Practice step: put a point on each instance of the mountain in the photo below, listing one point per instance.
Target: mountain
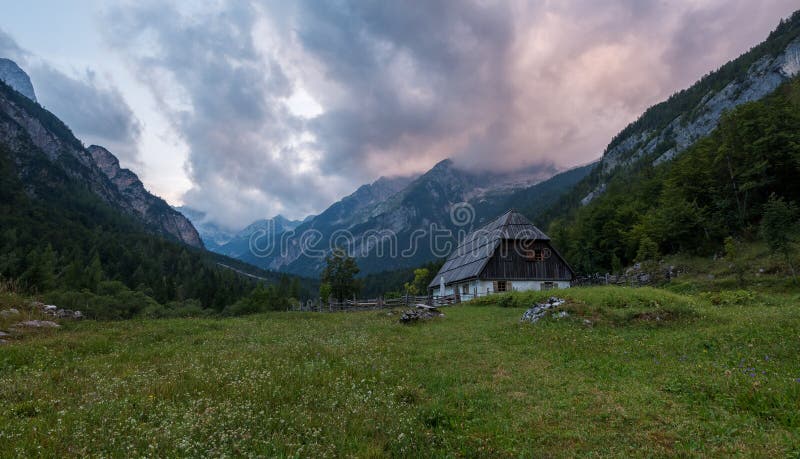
(402, 207)
(12, 75)
(95, 166)
(667, 129)
(695, 169)
(240, 245)
(212, 234)
(152, 210)
(81, 232)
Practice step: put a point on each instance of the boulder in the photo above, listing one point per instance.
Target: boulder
(537, 311)
(421, 312)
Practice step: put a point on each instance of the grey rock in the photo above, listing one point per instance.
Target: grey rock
(3, 334)
(2, 342)
(12, 75)
(420, 314)
(537, 311)
(9, 312)
(762, 78)
(151, 209)
(95, 167)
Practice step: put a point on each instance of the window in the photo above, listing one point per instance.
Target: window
(501, 286)
(465, 289)
(549, 285)
(536, 254)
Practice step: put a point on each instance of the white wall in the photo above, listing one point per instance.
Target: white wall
(483, 286)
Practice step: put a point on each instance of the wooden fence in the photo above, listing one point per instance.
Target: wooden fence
(371, 304)
(631, 279)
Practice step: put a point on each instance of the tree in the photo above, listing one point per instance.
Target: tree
(93, 274)
(616, 264)
(733, 254)
(422, 277)
(325, 291)
(648, 250)
(340, 274)
(778, 229)
(40, 274)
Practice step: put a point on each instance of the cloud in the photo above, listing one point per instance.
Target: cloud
(229, 103)
(9, 49)
(98, 114)
(401, 85)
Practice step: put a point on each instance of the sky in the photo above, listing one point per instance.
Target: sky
(249, 109)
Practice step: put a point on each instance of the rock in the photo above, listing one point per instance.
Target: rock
(9, 312)
(3, 334)
(15, 77)
(415, 315)
(77, 315)
(38, 324)
(2, 342)
(540, 310)
(143, 204)
(587, 322)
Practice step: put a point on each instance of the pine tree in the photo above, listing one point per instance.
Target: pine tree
(340, 274)
(778, 228)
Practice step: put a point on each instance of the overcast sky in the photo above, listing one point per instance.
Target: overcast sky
(247, 109)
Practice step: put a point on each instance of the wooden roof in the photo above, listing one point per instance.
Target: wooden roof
(470, 257)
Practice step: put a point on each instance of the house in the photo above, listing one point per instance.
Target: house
(508, 254)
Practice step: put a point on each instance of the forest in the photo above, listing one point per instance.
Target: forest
(718, 188)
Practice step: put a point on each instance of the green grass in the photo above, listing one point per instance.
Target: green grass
(706, 379)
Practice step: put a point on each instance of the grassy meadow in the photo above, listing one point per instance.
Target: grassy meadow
(655, 373)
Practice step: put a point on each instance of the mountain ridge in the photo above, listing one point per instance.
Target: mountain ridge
(24, 117)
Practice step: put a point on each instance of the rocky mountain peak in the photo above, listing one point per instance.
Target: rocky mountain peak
(14, 76)
(151, 209)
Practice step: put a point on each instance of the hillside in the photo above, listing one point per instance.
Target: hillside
(717, 188)
(667, 129)
(85, 233)
(707, 380)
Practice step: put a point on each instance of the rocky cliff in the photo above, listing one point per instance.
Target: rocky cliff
(26, 129)
(12, 75)
(667, 129)
(153, 210)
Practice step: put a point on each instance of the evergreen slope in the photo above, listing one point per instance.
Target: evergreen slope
(667, 129)
(62, 234)
(715, 189)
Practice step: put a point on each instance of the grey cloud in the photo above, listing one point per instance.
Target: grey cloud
(230, 111)
(96, 113)
(494, 85)
(11, 50)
